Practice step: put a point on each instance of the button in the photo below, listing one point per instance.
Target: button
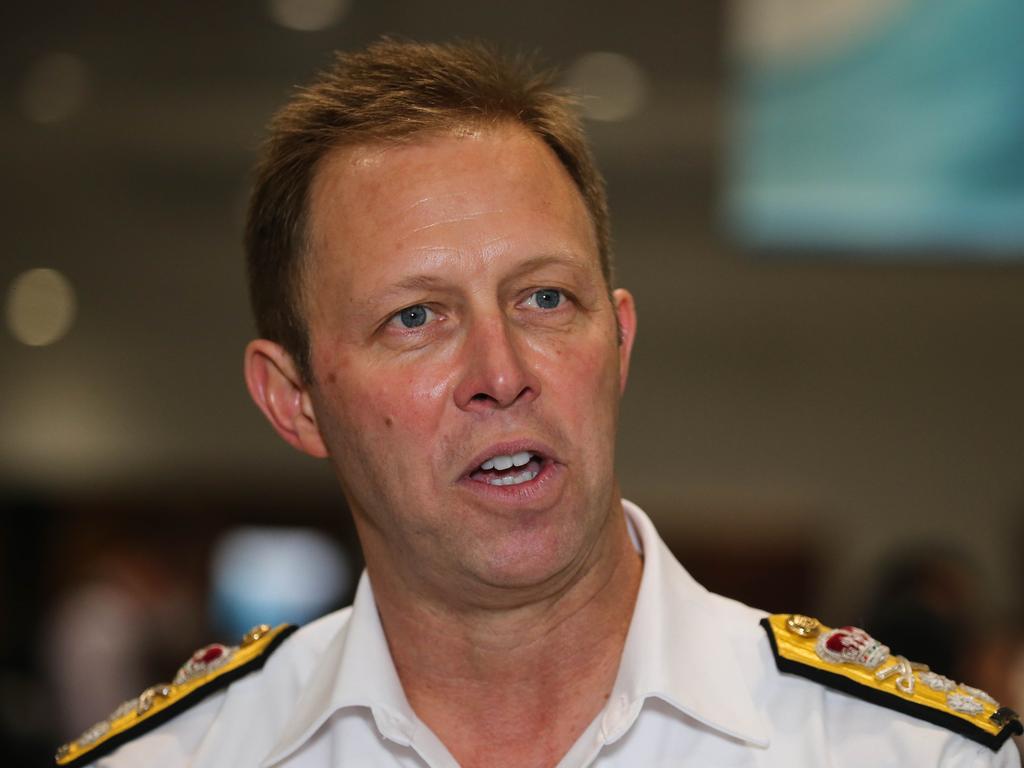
(804, 626)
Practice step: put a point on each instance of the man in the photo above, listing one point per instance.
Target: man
(430, 268)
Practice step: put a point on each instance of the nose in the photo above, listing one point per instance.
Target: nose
(496, 373)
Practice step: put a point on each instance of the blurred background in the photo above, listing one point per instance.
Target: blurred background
(818, 205)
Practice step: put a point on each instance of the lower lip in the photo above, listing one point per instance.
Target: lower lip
(535, 489)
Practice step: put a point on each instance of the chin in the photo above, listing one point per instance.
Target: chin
(531, 561)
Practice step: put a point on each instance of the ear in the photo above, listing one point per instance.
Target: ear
(625, 316)
(276, 387)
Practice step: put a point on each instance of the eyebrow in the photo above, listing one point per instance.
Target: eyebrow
(433, 282)
(557, 258)
(412, 283)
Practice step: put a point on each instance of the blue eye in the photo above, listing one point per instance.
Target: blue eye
(548, 298)
(414, 317)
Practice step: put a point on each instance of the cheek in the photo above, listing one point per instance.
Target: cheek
(429, 387)
(584, 373)
(388, 401)
(581, 391)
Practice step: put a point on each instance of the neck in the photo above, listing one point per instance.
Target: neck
(530, 674)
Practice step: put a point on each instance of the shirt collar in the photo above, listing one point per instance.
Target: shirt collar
(355, 670)
(676, 651)
(672, 652)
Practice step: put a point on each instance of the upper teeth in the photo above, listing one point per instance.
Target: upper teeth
(507, 462)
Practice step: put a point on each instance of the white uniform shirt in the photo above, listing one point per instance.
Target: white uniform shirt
(697, 686)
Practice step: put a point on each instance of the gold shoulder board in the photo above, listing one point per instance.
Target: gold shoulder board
(850, 660)
(208, 670)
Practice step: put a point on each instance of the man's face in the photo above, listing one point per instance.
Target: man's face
(458, 316)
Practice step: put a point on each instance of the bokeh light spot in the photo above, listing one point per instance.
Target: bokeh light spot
(55, 88)
(40, 307)
(611, 86)
(276, 575)
(308, 15)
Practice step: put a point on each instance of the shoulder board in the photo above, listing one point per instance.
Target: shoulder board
(850, 660)
(208, 670)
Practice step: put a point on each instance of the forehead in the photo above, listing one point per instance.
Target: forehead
(444, 194)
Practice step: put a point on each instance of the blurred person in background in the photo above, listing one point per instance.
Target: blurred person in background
(430, 267)
(927, 603)
(128, 617)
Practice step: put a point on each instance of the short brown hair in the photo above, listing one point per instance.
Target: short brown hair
(390, 92)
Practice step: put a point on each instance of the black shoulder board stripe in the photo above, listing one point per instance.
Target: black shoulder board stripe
(793, 640)
(163, 703)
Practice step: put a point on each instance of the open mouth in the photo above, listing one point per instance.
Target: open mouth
(509, 469)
